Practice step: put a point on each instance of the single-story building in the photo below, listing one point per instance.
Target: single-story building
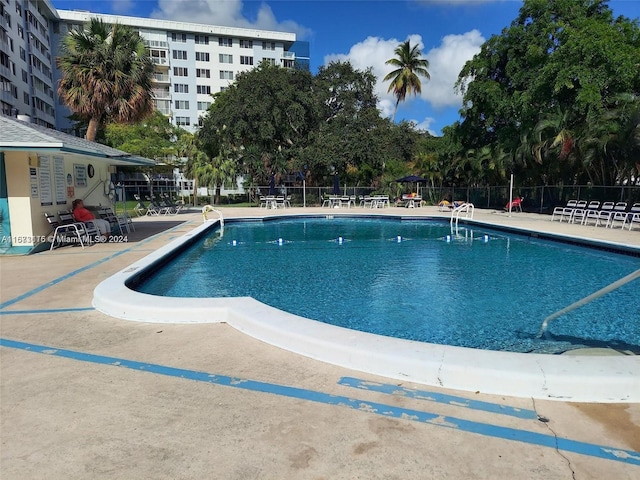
(43, 171)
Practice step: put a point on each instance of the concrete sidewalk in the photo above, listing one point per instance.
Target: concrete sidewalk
(84, 395)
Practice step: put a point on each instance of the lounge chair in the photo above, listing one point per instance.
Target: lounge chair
(633, 216)
(66, 231)
(606, 210)
(561, 212)
(140, 208)
(580, 214)
(618, 214)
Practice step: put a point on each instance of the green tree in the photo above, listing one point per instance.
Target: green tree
(262, 120)
(406, 77)
(537, 89)
(106, 75)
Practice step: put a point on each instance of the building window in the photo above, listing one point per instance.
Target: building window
(200, 124)
(202, 56)
(180, 54)
(183, 121)
(205, 89)
(25, 77)
(19, 9)
(245, 60)
(225, 42)
(181, 88)
(25, 97)
(224, 58)
(202, 39)
(180, 71)
(222, 89)
(181, 104)
(203, 105)
(246, 43)
(23, 54)
(268, 45)
(226, 75)
(179, 37)
(20, 32)
(203, 72)
(271, 61)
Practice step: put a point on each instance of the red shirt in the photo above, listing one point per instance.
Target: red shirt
(81, 214)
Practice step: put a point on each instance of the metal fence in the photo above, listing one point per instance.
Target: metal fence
(539, 199)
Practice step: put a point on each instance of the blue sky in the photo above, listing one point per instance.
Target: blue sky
(364, 32)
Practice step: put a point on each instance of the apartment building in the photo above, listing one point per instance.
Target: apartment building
(194, 61)
(27, 62)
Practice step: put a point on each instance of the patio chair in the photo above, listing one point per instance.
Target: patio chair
(618, 214)
(633, 216)
(66, 231)
(606, 210)
(515, 205)
(140, 208)
(561, 212)
(594, 215)
(173, 206)
(155, 207)
(580, 214)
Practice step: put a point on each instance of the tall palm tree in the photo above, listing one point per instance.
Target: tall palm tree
(106, 74)
(405, 78)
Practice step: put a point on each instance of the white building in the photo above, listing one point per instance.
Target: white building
(194, 61)
(27, 61)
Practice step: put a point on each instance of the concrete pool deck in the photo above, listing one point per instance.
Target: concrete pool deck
(206, 401)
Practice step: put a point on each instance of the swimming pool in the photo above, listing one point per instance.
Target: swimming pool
(415, 280)
(580, 378)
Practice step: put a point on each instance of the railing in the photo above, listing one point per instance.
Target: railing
(208, 208)
(464, 208)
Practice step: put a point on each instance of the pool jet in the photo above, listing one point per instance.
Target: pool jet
(585, 300)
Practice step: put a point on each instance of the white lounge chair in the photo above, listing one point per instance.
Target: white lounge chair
(561, 212)
(618, 214)
(633, 216)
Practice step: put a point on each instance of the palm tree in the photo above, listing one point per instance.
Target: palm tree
(405, 79)
(106, 74)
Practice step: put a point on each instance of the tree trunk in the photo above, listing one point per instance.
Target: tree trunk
(92, 129)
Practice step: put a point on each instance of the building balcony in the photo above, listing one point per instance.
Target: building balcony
(160, 93)
(160, 62)
(161, 78)
(6, 72)
(7, 97)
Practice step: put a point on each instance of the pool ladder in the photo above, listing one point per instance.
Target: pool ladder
(208, 208)
(464, 208)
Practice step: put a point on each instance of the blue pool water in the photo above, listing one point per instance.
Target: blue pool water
(490, 292)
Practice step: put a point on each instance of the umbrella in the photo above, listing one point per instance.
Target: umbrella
(336, 184)
(272, 185)
(411, 179)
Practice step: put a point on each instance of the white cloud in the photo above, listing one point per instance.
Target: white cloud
(426, 125)
(445, 62)
(223, 12)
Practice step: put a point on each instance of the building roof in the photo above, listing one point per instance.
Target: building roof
(19, 135)
(172, 25)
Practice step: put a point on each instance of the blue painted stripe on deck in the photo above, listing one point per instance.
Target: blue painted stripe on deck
(47, 310)
(489, 430)
(438, 398)
(80, 270)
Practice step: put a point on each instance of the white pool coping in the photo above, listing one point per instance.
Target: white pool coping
(576, 378)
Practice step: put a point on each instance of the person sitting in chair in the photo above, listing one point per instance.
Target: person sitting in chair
(81, 214)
